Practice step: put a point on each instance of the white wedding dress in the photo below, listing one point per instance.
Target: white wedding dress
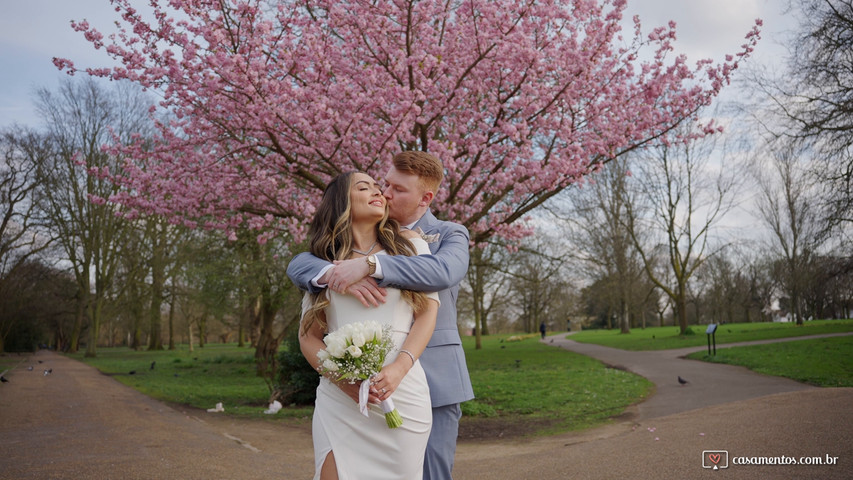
(364, 447)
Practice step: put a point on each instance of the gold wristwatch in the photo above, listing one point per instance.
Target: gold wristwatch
(371, 264)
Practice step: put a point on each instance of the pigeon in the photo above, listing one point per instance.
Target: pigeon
(3, 379)
(152, 364)
(48, 371)
(682, 381)
(132, 372)
(30, 368)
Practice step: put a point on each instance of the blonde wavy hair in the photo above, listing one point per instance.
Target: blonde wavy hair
(330, 234)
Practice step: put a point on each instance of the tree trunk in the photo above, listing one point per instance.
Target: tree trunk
(172, 322)
(681, 312)
(158, 274)
(202, 330)
(94, 329)
(190, 331)
(74, 345)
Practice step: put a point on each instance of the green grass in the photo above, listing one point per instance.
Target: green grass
(9, 361)
(521, 384)
(201, 379)
(663, 338)
(532, 387)
(551, 388)
(825, 362)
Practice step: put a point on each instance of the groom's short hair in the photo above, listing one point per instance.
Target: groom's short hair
(426, 166)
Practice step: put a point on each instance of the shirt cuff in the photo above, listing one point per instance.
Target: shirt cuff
(316, 280)
(378, 273)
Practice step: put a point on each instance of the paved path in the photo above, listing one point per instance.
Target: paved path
(79, 424)
(723, 407)
(76, 423)
(710, 383)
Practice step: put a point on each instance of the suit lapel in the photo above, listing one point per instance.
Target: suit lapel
(429, 224)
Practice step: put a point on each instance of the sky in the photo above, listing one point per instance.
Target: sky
(32, 32)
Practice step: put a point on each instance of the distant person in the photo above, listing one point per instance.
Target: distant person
(542, 329)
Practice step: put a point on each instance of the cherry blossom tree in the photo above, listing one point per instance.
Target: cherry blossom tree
(267, 100)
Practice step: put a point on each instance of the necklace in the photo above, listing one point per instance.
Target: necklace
(354, 250)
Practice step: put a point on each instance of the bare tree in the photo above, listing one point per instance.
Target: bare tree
(813, 101)
(82, 117)
(537, 285)
(483, 293)
(595, 216)
(786, 206)
(23, 232)
(687, 197)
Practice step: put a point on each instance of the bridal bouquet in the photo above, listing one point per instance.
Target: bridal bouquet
(355, 352)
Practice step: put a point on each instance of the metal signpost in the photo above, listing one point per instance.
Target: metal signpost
(711, 331)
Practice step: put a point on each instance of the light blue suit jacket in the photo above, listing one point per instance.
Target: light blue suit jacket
(443, 360)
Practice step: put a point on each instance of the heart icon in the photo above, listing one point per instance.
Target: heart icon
(714, 457)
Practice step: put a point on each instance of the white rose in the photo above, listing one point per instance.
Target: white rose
(354, 351)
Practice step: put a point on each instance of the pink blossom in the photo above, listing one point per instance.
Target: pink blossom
(519, 99)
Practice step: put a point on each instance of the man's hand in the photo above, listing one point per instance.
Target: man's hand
(368, 292)
(345, 273)
(350, 277)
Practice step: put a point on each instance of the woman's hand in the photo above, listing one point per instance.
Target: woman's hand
(351, 389)
(386, 381)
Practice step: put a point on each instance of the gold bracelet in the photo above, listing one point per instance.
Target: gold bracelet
(409, 354)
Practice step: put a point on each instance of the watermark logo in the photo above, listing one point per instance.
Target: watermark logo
(715, 459)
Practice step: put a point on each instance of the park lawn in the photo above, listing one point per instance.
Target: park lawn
(825, 362)
(664, 338)
(547, 387)
(531, 387)
(202, 378)
(9, 361)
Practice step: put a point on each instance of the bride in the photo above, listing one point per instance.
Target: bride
(352, 222)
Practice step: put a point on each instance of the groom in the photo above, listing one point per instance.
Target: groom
(411, 184)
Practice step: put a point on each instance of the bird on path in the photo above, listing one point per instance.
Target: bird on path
(48, 371)
(3, 379)
(682, 381)
(30, 368)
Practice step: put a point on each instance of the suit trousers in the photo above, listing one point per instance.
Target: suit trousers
(441, 447)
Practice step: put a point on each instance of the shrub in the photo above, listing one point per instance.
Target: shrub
(297, 380)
